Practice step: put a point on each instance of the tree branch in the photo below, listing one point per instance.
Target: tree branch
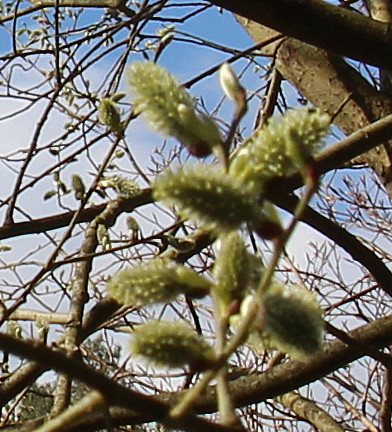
(333, 157)
(251, 389)
(348, 242)
(114, 393)
(37, 226)
(319, 23)
(307, 409)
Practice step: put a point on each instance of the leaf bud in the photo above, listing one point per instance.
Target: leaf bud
(116, 97)
(49, 194)
(103, 236)
(15, 329)
(134, 228)
(5, 247)
(78, 186)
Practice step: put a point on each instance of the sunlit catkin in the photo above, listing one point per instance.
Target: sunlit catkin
(169, 108)
(157, 281)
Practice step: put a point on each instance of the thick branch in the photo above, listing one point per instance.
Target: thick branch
(113, 392)
(37, 226)
(29, 372)
(251, 389)
(307, 409)
(334, 86)
(319, 23)
(348, 242)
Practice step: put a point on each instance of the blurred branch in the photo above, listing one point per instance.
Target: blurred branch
(308, 410)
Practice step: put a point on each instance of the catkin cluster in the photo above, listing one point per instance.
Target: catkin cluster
(224, 199)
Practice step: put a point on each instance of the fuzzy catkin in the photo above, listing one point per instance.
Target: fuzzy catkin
(173, 344)
(279, 148)
(292, 320)
(234, 268)
(169, 108)
(109, 114)
(207, 194)
(157, 281)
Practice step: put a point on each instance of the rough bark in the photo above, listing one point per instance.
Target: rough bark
(336, 29)
(331, 84)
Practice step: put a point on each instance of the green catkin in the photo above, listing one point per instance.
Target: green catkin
(157, 281)
(122, 185)
(207, 194)
(233, 269)
(109, 114)
(282, 146)
(172, 344)
(289, 319)
(292, 320)
(170, 109)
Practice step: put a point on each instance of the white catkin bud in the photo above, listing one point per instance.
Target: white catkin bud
(231, 85)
